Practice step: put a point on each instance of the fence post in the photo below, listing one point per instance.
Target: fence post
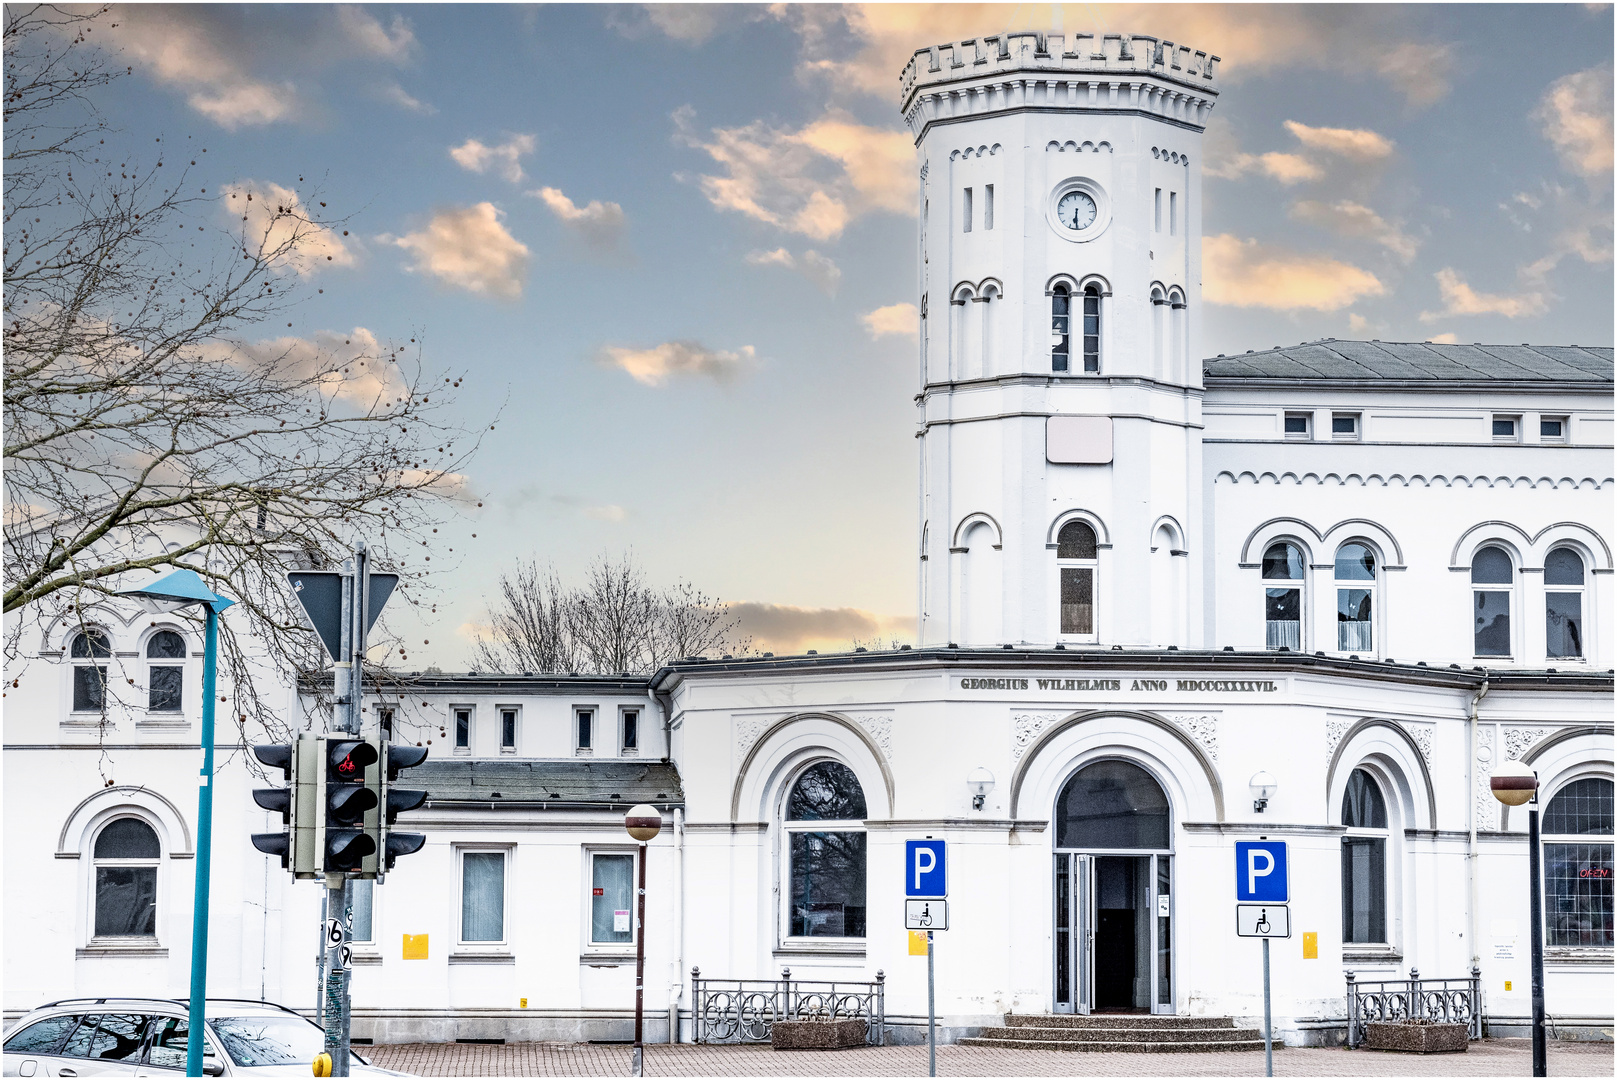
(787, 1012)
(697, 1004)
(1353, 1012)
(1414, 994)
(1476, 1002)
(881, 1008)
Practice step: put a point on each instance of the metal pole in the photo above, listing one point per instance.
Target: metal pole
(336, 972)
(199, 915)
(638, 1063)
(1536, 911)
(320, 963)
(931, 1014)
(1268, 1024)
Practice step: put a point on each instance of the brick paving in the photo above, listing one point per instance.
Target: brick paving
(1488, 1057)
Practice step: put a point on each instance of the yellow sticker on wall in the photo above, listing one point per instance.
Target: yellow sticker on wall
(415, 946)
(917, 942)
(1507, 986)
(1310, 945)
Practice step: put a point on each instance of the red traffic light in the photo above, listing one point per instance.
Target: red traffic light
(350, 758)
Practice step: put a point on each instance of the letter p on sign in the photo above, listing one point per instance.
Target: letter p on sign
(1261, 872)
(926, 867)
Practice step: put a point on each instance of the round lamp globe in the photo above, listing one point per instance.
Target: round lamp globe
(643, 822)
(1513, 783)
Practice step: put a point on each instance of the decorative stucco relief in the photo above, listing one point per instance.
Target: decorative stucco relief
(1518, 740)
(1487, 805)
(1026, 727)
(747, 732)
(880, 730)
(1334, 730)
(1202, 728)
(1422, 734)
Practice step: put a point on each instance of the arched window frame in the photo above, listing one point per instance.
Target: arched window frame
(165, 691)
(1069, 580)
(1275, 636)
(97, 881)
(1178, 349)
(1160, 362)
(1568, 860)
(790, 829)
(1358, 637)
(1376, 844)
(1566, 614)
(1489, 604)
(1061, 327)
(1090, 301)
(89, 678)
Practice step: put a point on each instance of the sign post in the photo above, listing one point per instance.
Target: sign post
(1262, 893)
(926, 907)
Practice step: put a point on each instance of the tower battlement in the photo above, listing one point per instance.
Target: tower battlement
(933, 70)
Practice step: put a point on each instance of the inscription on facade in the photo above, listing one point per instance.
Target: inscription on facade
(1194, 686)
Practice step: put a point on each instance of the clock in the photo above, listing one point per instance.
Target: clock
(1076, 210)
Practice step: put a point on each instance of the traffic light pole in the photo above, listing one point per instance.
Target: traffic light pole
(204, 860)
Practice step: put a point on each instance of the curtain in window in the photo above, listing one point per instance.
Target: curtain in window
(1077, 600)
(482, 904)
(612, 887)
(1353, 620)
(1282, 619)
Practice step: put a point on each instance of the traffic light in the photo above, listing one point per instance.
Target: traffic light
(390, 803)
(297, 803)
(347, 797)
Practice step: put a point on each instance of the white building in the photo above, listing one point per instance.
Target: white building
(1372, 570)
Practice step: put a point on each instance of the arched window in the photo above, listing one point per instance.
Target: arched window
(1113, 804)
(1577, 835)
(1355, 591)
(90, 678)
(1364, 861)
(126, 854)
(825, 829)
(1159, 332)
(1060, 328)
(1283, 597)
(989, 318)
(1491, 568)
(165, 680)
(1178, 351)
(1563, 608)
(1091, 328)
(1076, 561)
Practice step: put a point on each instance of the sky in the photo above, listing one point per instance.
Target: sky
(669, 248)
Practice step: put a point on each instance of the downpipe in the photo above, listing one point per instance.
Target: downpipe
(676, 986)
(1471, 817)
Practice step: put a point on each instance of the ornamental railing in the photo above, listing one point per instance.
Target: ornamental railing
(745, 1010)
(1454, 1001)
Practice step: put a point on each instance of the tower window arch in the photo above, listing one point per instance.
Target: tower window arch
(89, 677)
(165, 680)
(1159, 331)
(825, 852)
(1493, 579)
(1578, 863)
(1283, 596)
(1060, 327)
(126, 855)
(1364, 860)
(1563, 604)
(1091, 328)
(1076, 562)
(1355, 598)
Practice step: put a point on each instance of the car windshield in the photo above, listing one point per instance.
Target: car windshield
(269, 1040)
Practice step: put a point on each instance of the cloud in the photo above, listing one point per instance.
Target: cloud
(394, 42)
(1576, 113)
(691, 23)
(1459, 298)
(820, 269)
(1226, 161)
(354, 364)
(892, 319)
(468, 248)
(785, 629)
(396, 94)
(610, 512)
(812, 181)
(1347, 218)
(656, 365)
(1359, 144)
(1449, 338)
(279, 226)
(477, 157)
(1243, 273)
(601, 224)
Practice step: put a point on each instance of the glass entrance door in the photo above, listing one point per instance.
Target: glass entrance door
(1113, 933)
(1074, 932)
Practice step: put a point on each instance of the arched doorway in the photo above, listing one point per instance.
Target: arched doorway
(1113, 891)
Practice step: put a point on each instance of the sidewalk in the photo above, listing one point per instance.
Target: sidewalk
(1489, 1057)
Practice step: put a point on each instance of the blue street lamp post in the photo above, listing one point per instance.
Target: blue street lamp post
(180, 589)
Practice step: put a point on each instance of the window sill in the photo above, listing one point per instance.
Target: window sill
(482, 958)
(172, 722)
(606, 959)
(834, 947)
(629, 751)
(1579, 955)
(584, 751)
(138, 947)
(365, 959)
(1371, 954)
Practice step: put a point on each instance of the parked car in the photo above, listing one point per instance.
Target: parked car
(132, 1036)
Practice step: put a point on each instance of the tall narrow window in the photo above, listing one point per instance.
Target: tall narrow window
(631, 730)
(1076, 551)
(1091, 328)
(463, 729)
(825, 827)
(1355, 590)
(988, 207)
(1173, 213)
(1577, 865)
(1159, 330)
(1283, 597)
(482, 896)
(1060, 327)
(126, 855)
(611, 890)
(1157, 221)
(1364, 861)
(585, 719)
(164, 680)
(90, 678)
(1490, 604)
(965, 211)
(1563, 607)
(508, 730)
(384, 720)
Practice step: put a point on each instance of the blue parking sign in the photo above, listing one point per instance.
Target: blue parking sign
(1261, 873)
(926, 868)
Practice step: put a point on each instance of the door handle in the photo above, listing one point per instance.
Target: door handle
(66, 1072)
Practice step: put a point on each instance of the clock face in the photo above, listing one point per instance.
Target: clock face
(1076, 210)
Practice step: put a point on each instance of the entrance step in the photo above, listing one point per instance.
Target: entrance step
(1128, 1033)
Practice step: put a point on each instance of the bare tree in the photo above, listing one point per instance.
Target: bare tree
(614, 622)
(144, 429)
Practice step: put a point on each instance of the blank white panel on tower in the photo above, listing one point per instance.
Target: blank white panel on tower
(1078, 440)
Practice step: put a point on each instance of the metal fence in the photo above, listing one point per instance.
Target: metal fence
(744, 1010)
(1454, 1001)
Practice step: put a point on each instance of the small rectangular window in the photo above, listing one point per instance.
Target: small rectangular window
(1173, 213)
(463, 729)
(1504, 429)
(1283, 619)
(384, 720)
(508, 730)
(631, 729)
(586, 728)
(1577, 894)
(1552, 429)
(1364, 889)
(1344, 425)
(1157, 225)
(1077, 600)
(362, 895)
(1296, 425)
(1091, 330)
(1353, 621)
(988, 207)
(965, 211)
(611, 899)
(164, 693)
(1492, 631)
(482, 896)
(1563, 625)
(89, 688)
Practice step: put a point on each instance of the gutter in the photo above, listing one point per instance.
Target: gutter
(1471, 842)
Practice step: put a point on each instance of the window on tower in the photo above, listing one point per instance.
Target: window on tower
(988, 207)
(1076, 551)
(1173, 213)
(965, 211)
(1060, 327)
(1091, 328)
(1157, 227)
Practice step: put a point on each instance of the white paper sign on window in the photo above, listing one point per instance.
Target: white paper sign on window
(620, 922)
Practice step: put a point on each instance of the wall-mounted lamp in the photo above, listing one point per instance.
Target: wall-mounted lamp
(1263, 788)
(979, 782)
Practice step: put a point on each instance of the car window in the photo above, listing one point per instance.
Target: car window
(78, 1043)
(279, 1039)
(169, 1037)
(43, 1037)
(119, 1037)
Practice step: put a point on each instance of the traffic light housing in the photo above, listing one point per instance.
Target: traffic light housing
(297, 803)
(390, 803)
(344, 841)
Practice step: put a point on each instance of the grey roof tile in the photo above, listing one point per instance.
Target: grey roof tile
(555, 783)
(1334, 359)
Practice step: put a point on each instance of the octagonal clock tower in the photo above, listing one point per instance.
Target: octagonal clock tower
(1060, 296)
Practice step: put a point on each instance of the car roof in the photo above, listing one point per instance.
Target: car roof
(212, 1008)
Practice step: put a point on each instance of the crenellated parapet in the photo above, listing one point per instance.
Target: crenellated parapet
(1031, 69)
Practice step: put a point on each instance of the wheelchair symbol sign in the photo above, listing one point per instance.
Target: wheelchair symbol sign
(1263, 920)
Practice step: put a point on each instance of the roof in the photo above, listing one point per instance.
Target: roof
(558, 784)
(1417, 362)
